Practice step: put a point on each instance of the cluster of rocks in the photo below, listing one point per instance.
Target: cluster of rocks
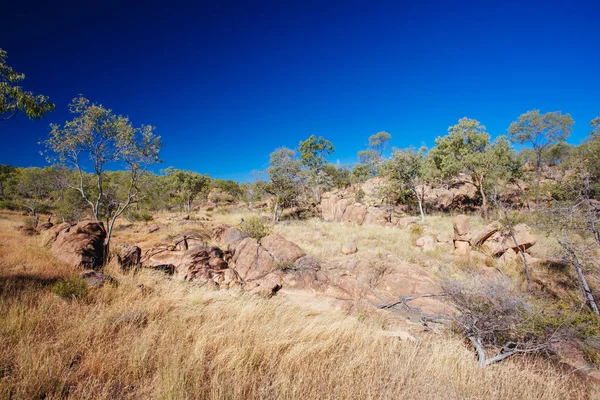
(364, 204)
(494, 240)
(256, 266)
(217, 196)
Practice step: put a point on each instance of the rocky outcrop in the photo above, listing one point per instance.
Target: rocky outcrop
(462, 235)
(81, 245)
(364, 204)
(95, 279)
(128, 256)
(486, 233)
(501, 241)
(217, 196)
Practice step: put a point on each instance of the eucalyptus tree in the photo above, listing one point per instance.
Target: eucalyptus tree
(313, 153)
(372, 157)
(285, 179)
(467, 148)
(187, 185)
(13, 99)
(408, 169)
(96, 138)
(34, 187)
(541, 131)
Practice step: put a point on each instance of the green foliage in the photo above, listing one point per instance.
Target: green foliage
(314, 150)
(340, 175)
(359, 195)
(254, 227)
(467, 148)
(415, 232)
(371, 158)
(187, 185)
(541, 131)
(135, 216)
(71, 288)
(103, 137)
(545, 319)
(285, 179)
(379, 142)
(13, 99)
(409, 172)
(360, 173)
(227, 186)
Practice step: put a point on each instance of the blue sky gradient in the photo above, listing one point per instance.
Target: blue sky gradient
(226, 83)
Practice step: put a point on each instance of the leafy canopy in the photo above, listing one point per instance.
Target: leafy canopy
(13, 99)
(314, 150)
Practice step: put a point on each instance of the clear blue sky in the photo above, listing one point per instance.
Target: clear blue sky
(226, 83)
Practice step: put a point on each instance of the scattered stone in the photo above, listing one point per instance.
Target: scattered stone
(426, 243)
(444, 238)
(349, 248)
(95, 279)
(404, 222)
(129, 256)
(153, 228)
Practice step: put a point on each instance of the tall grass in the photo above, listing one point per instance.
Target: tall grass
(150, 337)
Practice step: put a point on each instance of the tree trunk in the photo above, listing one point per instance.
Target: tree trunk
(420, 201)
(587, 292)
(275, 216)
(484, 207)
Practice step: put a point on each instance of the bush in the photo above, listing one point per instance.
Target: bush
(7, 204)
(359, 196)
(254, 227)
(70, 288)
(286, 266)
(416, 231)
(134, 216)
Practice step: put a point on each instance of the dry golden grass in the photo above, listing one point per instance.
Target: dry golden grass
(176, 340)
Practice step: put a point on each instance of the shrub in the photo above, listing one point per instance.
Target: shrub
(135, 216)
(70, 288)
(8, 204)
(254, 227)
(286, 266)
(359, 196)
(416, 231)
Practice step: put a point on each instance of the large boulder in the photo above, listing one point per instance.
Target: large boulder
(80, 245)
(355, 213)
(501, 241)
(128, 256)
(204, 264)
(252, 261)
(485, 233)
(349, 248)
(525, 239)
(462, 228)
(281, 249)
